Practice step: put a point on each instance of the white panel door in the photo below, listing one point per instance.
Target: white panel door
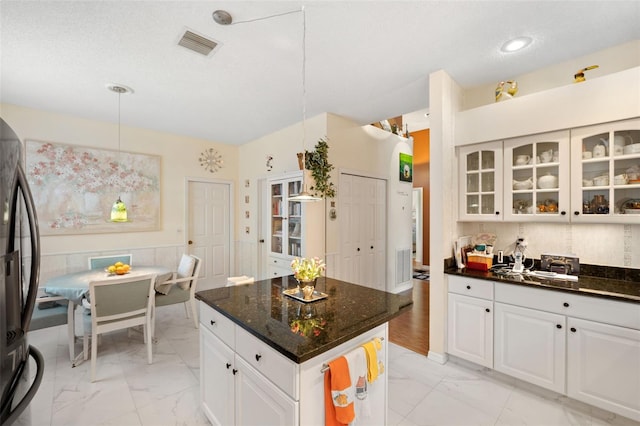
(363, 230)
(209, 231)
(603, 366)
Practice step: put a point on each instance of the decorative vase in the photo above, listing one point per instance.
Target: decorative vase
(307, 288)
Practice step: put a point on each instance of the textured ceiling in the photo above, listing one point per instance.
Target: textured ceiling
(365, 60)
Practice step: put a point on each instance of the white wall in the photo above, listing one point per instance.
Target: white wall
(354, 148)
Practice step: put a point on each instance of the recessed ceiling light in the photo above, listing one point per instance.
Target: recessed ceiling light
(516, 44)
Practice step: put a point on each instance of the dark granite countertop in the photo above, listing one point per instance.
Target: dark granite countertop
(587, 285)
(262, 310)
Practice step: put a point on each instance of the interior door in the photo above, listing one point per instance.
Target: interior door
(363, 230)
(209, 231)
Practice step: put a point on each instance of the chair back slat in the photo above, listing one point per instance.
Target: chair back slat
(113, 299)
(101, 262)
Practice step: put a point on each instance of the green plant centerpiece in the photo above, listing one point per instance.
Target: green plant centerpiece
(317, 161)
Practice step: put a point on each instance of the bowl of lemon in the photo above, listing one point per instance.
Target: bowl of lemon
(118, 268)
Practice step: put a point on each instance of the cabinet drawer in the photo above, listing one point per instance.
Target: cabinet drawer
(612, 312)
(218, 324)
(276, 367)
(471, 287)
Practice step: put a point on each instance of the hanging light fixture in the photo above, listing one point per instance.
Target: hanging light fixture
(119, 209)
(304, 195)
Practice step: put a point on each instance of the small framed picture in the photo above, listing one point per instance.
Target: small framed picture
(406, 167)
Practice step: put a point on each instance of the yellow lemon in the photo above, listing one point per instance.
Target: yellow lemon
(111, 269)
(118, 264)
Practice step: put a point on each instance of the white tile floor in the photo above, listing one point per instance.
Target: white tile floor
(128, 391)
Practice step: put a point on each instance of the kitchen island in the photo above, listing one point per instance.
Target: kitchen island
(263, 354)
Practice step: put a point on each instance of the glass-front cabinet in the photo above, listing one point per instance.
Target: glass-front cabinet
(536, 178)
(606, 173)
(295, 229)
(481, 182)
(286, 217)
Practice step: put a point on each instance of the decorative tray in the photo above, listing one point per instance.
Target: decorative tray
(297, 294)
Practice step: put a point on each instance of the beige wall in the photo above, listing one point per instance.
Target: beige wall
(614, 59)
(179, 160)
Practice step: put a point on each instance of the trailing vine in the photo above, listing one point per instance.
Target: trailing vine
(318, 162)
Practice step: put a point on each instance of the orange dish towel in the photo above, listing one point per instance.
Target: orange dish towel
(374, 366)
(338, 398)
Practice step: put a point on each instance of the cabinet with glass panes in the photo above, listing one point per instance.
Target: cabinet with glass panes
(480, 178)
(606, 173)
(296, 229)
(536, 178)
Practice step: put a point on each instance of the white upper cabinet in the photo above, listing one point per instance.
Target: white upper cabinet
(480, 168)
(536, 178)
(606, 173)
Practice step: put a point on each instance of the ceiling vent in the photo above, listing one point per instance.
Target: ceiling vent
(197, 43)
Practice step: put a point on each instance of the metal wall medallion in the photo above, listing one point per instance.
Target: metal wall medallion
(211, 160)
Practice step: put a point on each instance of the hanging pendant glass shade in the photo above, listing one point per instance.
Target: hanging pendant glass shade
(119, 211)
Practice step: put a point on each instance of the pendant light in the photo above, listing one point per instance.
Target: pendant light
(304, 196)
(119, 209)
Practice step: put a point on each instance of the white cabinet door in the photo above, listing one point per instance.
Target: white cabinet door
(216, 379)
(470, 326)
(536, 178)
(603, 366)
(599, 155)
(480, 168)
(259, 402)
(530, 345)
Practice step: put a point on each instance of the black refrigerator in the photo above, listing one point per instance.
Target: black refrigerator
(19, 269)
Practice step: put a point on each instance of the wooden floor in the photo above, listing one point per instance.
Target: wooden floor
(411, 329)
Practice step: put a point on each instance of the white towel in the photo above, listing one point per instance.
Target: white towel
(357, 361)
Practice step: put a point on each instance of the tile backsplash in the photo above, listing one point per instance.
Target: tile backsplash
(597, 244)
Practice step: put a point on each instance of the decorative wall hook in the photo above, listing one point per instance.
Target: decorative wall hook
(269, 165)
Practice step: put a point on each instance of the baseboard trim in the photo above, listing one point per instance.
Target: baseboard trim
(437, 357)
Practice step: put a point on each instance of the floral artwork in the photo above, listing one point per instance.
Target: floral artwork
(75, 187)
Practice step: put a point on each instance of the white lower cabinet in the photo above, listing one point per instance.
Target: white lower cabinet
(471, 329)
(603, 366)
(258, 401)
(585, 347)
(530, 345)
(216, 379)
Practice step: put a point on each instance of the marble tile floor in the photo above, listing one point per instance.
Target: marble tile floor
(128, 391)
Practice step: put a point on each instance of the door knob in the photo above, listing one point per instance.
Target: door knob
(190, 242)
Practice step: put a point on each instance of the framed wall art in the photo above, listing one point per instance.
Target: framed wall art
(406, 167)
(75, 187)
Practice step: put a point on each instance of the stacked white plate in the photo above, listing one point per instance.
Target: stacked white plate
(632, 149)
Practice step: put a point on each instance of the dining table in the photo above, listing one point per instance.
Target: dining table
(75, 287)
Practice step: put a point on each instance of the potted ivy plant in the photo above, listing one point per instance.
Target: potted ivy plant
(317, 161)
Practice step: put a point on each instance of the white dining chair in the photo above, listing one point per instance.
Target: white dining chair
(119, 303)
(101, 262)
(181, 288)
